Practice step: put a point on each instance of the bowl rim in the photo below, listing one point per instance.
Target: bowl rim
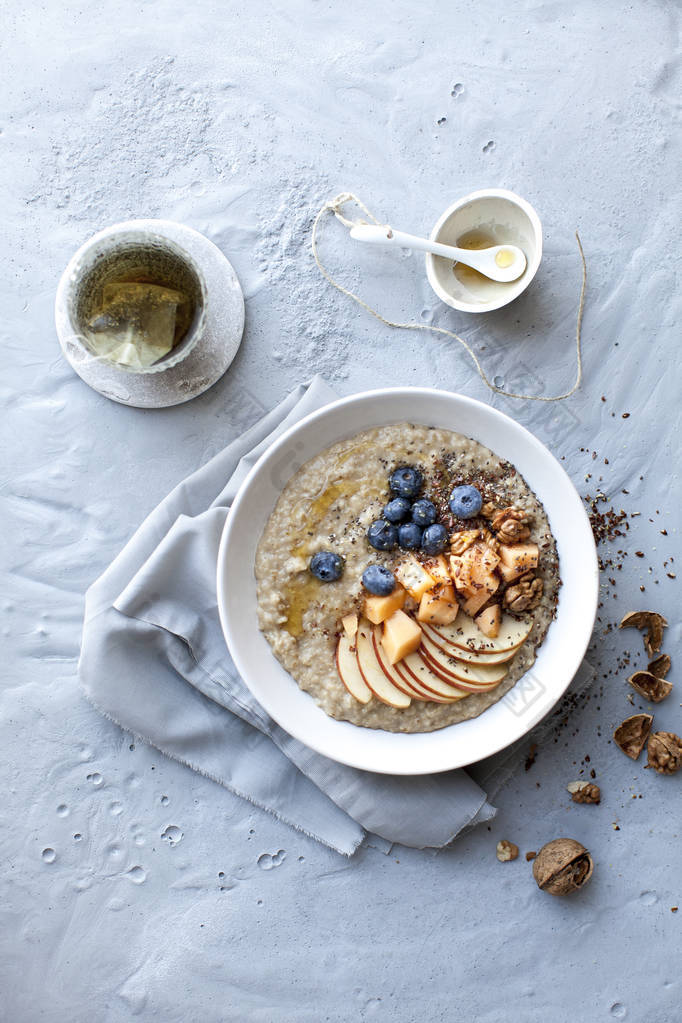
(445, 756)
(485, 193)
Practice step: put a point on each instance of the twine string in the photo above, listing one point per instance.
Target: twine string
(335, 206)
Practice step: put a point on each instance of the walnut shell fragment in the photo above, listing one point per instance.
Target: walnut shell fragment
(562, 866)
(650, 686)
(631, 734)
(584, 792)
(660, 666)
(654, 625)
(665, 752)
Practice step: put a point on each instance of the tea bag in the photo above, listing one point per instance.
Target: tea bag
(136, 325)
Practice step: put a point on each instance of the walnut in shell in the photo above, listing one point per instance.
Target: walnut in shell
(650, 686)
(664, 752)
(511, 525)
(584, 792)
(660, 666)
(654, 625)
(562, 866)
(525, 594)
(631, 734)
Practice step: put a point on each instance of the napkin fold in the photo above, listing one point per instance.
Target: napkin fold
(154, 660)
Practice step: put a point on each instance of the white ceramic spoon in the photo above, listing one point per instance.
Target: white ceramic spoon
(503, 263)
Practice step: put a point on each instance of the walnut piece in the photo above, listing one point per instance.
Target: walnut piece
(650, 686)
(562, 866)
(525, 594)
(463, 540)
(654, 625)
(506, 851)
(660, 666)
(584, 792)
(664, 752)
(488, 510)
(631, 734)
(511, 525)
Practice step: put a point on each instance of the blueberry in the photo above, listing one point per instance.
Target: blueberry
(435, 539)
(382, 535)
(397, 510)
(326, 566)
(406, 481)
(424, 512)
(378, 580)
(465, 502)
(410, 536)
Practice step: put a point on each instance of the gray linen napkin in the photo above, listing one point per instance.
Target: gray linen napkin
(154, 660)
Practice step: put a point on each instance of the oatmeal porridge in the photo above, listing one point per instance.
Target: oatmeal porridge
(406, 578)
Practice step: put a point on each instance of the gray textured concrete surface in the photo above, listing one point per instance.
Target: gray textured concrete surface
(130, 886)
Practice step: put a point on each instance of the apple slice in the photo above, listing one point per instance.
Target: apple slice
(466, 634)
(403, 681)
(474, 657)
(430, 694)
(349, 673)
(415, 667)
(372, 673)
(447, 666)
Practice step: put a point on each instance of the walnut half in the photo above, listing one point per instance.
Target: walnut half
(511, 525)
(525, 594)
(562, 866)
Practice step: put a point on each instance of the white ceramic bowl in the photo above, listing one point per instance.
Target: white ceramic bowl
(533, 695)
(498, 216)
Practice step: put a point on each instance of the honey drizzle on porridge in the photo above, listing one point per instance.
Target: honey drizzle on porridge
(302, 589)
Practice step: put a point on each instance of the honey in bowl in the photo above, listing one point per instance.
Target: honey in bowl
(473, 240)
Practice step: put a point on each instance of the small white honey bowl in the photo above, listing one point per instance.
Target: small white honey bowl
(491, 216)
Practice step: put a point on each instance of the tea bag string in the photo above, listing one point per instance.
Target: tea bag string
(335, 206)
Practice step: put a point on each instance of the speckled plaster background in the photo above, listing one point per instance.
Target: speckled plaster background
(130, 886)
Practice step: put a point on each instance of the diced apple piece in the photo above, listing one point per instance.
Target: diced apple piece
(489, 620)
(378, 609)
(374, 676)
(349, 672)
(439, 606)
(517, 558)
(461, 573)
(350, 625)
(414, 577)
(472, 605)
(483, 563)
(439, 570)
(401, 636)
(509, 574)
